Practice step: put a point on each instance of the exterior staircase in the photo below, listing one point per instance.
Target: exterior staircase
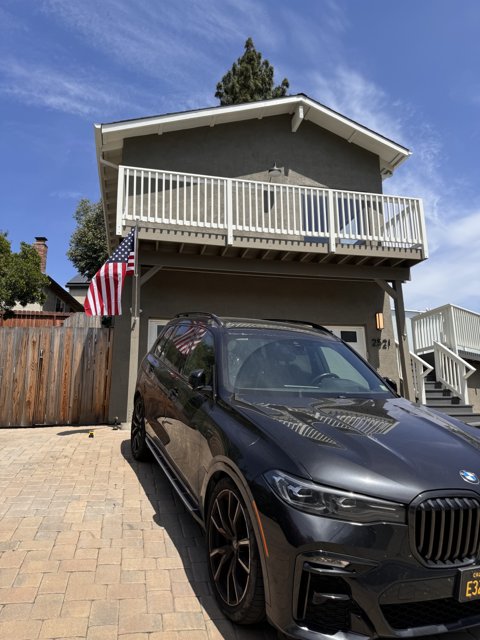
(441, 399)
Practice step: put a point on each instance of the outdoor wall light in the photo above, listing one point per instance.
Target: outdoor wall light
(379, 321)
(274, 171)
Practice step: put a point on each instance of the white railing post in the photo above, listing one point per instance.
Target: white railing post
(452, 330)
(332, 243)
(122, 198)
(423, 229)
(229, 212)
(421, 369)
(452, 371)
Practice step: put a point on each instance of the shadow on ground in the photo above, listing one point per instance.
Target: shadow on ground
(184, 540)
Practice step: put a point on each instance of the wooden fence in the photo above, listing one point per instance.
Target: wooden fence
(54, 375)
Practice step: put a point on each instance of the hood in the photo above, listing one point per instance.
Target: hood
(388, 448)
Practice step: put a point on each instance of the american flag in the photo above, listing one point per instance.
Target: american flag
(104, 297)
(182, 341)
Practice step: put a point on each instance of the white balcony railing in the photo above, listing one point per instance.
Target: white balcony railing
(241, 208)
(452, 371)
(449, 325)
(420, 370)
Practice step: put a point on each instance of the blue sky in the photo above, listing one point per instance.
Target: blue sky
(409, 70)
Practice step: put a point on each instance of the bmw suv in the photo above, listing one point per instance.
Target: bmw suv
(330, 505)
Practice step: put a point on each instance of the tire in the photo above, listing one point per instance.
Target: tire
(232, 556)
(138, 438)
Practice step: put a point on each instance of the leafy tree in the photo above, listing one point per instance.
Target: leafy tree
(249, 79)
(21, 279)
(88, 243)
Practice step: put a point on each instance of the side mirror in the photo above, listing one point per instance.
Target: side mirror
(391, 384)
(197, 379)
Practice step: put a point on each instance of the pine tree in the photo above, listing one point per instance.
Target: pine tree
(88, 243)
(250, 79)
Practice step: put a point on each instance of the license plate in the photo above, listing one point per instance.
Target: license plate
(469, 584)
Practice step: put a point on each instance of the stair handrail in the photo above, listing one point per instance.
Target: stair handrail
(452, 370)
(420, 370)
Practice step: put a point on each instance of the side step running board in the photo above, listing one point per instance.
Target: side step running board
(181, 492)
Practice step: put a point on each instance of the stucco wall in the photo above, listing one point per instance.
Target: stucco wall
(312, 155)
(474, 387)
(322, 301)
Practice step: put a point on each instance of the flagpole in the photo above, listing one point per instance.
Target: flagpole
(135, 285)
(134, 333)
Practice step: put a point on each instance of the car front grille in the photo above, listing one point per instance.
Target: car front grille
(446, 530)
(431, 612)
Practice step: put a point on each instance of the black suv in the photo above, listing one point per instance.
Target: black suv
(330, 504)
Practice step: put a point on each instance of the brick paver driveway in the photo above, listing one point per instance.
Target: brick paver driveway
(94, 545)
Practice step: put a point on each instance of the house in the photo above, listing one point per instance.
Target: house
(269, 209)
(59, 304)
(78, 287)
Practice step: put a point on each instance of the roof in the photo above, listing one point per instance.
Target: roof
(78, 281)
(64, 295)
(110, 136)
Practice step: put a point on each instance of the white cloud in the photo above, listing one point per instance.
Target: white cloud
(70, 92)
(65, 194)
(451, 274)
(349, 92)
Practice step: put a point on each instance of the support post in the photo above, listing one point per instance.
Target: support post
(134, 335)
(404, 350)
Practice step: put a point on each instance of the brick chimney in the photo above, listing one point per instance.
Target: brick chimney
(40, 245)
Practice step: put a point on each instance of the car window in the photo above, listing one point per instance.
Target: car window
(276, 361)
(178, 345)
(202, 356)
(160, 344)
(339, 366)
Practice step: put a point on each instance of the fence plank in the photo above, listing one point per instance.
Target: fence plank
(54, 375)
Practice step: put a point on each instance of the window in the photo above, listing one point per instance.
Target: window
(178, 346)
(155, 327)
(202, 356)
(160, 346)
(339, 366)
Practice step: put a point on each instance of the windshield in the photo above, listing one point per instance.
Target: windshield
(285, 362)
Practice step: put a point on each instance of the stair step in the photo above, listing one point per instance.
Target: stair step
(444, 402)
(452, 409)
(433, 384)
(439, 393)
(472, 419)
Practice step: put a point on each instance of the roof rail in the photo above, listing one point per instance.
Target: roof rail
(205, 314)
(307, 322)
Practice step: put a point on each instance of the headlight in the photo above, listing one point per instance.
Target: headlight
(333, 503)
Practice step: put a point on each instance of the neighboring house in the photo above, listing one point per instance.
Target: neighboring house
(57, 299)
(78, 287)
(271, 209)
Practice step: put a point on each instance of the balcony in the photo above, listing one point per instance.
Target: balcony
(234, 217)
(451, 326)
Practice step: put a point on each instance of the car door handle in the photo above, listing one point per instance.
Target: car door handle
(172, 394)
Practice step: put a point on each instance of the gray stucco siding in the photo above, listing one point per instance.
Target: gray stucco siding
(311, 156)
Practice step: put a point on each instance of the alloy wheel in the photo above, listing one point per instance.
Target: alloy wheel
(138, 428)
(229, 547)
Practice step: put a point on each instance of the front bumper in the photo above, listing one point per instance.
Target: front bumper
(332, 578)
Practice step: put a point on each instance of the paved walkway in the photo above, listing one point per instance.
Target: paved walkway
(94, 545)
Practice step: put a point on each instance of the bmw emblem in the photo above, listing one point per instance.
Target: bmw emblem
(469, 476)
